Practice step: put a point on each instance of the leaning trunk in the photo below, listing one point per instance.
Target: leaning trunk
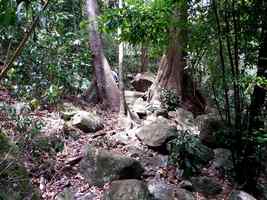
(106, 86)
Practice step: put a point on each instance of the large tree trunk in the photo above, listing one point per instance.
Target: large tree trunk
(106, 87)
(171, 74)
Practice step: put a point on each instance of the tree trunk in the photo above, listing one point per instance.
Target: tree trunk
(258, 96)
(144, 59)
(106, 87)
(171, 74)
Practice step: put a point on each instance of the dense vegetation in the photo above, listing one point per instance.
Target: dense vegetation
(206, 55)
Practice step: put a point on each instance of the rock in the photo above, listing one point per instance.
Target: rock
(183, 194)
(223, 159)
(87, 122)
(127, 190)
(101, 166)
(206, 185)
(185, 120)
(163, 191)
(142, 82)
(185, 184)
(156, 133)
(68, 115)
(140, 107)
(208, 125)
(87, 196)
(240, 195)
(127, 137)
(132, 96)
(67, 194)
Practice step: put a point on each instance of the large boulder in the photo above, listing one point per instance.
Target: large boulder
(223, 160)
(240, 195)
(127, 190)
(87, 122)
(101, 166)
(132, 96)
(185, 120)
(140, 107)
(209, 125)
(163, 191)
(66, 194)
(206, 185)
(142, 82)
(156, 133)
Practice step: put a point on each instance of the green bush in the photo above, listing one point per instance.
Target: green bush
(169, 99)
(188, 153)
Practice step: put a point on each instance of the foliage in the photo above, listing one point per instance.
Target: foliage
(56, 60)
(169, 99)
(188, 153)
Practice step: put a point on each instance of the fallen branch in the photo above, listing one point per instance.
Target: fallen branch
(74, 161)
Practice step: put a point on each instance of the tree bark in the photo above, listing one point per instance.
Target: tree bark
(107, 90)
(259, 94)
(171, 74)
(144, 59)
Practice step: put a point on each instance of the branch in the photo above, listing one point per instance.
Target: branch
(22, 43)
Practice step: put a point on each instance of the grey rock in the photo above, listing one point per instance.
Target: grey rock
(140, 107)
(240, 195)
(185, 184)
(87, 122)
(208, 125)
(142, 82)
(67, 115)
(184, 117)
(127, 190)
(132, 96)
(206, 185)
(223, 159)
(67, 194)
(156, 133)
(163, 191)
(101, 166)
(183, 194)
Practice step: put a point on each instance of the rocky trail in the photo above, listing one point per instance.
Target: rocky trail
(93, 159)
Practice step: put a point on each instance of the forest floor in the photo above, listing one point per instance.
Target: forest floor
(53, 173)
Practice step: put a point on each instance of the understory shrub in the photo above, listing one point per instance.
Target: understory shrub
(169, 99)
(188, 153)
